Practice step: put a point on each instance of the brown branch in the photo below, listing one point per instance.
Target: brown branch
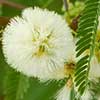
(74, 23)
(12, 4)
(4, 20)
(1, 97)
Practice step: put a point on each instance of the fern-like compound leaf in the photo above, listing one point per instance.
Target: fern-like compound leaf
(85, 45)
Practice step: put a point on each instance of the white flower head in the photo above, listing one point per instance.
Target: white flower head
(86, 95)
(38, 43)
(64, 93)
(94, 68)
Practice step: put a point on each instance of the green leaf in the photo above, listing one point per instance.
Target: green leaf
(43, 91)
(2, 71)
(15, 85)
(87, 28)
(20, 87)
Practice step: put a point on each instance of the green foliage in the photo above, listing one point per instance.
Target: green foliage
(20, 87)
(2, 71)
(95, 89)
(16, 85)
(43, 91)
(87, 28)
(75, 9)
(55, 5)
(73, 1)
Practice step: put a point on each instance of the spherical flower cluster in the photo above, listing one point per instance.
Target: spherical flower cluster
(38, 44)
(94, 68)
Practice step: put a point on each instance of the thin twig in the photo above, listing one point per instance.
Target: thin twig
(65, 4)
(12, 4)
